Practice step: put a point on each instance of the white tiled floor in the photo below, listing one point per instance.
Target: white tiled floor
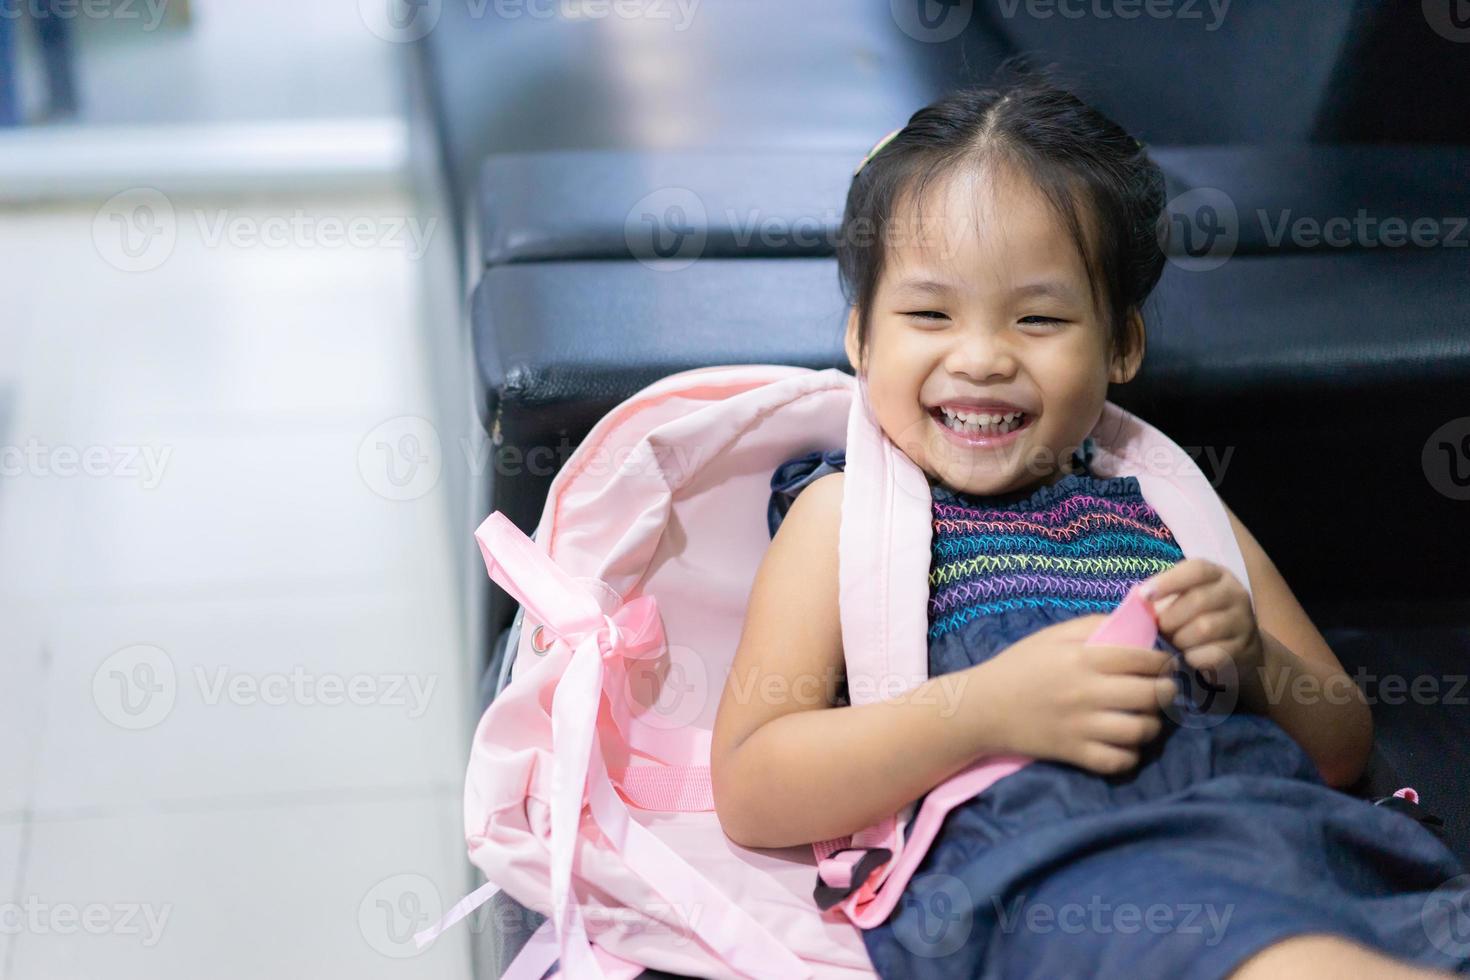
(233, 698)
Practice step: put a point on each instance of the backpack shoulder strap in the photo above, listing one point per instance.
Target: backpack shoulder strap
(1173, 485)
(883, 569)
(883, 587)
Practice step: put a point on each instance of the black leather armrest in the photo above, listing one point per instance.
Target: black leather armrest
(1319, 198)
(598, 204)
(559, 343)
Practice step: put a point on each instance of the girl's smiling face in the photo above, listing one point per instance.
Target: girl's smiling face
(985, 308)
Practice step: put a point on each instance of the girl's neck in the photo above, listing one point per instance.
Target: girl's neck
(1078, 463)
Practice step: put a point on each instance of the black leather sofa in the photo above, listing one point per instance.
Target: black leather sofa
(1309, 381)
(1313, 374)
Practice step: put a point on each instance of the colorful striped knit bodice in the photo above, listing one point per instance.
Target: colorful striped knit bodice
(1021, 561)
(1075, 546)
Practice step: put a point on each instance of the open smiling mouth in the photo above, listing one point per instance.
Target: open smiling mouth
(974, 430)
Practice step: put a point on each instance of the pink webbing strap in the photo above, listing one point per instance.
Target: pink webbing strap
(570, 613)
(1132, 623)
(837, 869)
(866, 912)
(461, 908)
(535, 957)
(686, 789)
(720, 923)
(826, 848)
(540, 950)
(539, 953)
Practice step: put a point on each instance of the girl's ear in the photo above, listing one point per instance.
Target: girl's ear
(1127, 361)
(850, 342)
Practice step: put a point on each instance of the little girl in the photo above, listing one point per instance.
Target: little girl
(996, 252)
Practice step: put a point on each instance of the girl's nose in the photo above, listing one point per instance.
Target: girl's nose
(981, 356)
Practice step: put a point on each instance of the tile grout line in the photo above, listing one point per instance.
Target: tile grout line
(219, 804)
(27, 822)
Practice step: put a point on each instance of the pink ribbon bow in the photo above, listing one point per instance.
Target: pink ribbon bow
(602, 643)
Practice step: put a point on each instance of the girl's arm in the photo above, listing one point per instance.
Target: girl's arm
(1302, 686)
(787, 767)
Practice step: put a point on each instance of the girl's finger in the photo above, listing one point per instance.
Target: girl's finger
(1208, 627)
(1212, 657)
(1192, 603)
(1135, 692)
(1147, 661)
(1125, 728)
(1185, 575)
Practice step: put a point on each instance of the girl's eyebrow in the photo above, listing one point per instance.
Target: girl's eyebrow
(923, 286)
(1054, 288)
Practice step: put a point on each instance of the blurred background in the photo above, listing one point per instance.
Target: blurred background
(295, 293)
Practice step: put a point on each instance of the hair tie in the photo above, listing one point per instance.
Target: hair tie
(876, 147)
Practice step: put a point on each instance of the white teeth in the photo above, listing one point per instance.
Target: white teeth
(982, 423)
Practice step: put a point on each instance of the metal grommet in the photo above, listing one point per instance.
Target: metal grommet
(536, 648)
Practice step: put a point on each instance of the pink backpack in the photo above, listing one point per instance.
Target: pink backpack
(588, 792)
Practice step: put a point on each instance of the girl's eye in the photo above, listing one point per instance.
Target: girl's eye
(1042, 321)
(927, 315)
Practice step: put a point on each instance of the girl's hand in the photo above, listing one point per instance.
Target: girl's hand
(1205, 611)
(1091, 706)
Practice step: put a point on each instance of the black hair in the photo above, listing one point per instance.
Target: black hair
(1082, 162)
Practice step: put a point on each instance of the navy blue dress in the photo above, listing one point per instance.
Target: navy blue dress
(1223, 840)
